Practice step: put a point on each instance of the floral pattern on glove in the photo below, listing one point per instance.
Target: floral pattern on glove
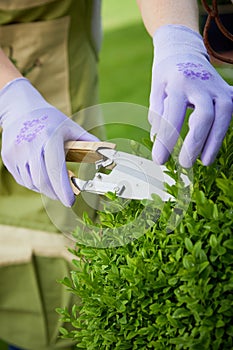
(31, 129)
(193, 70)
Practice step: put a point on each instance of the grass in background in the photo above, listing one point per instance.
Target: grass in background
(125, 62)
(126, 54)
(119, 13)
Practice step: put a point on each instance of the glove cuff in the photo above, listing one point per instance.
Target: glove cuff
(18, 97)
(170, 40)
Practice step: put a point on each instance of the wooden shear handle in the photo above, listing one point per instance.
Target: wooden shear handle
(78, 151)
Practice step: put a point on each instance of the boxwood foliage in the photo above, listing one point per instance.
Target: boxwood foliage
(164, 290)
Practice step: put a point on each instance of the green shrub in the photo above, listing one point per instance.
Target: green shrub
(164, 290)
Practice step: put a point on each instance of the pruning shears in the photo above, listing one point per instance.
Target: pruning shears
(128, 175)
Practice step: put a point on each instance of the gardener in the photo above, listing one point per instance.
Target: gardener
(55, 44)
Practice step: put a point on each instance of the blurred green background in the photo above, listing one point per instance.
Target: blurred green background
(125, 69)
(126, 54)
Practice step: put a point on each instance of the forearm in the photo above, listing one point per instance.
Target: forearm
(8, 71)
(156, 13)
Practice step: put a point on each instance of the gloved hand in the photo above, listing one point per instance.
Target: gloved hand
(28, 123)
(183, 77)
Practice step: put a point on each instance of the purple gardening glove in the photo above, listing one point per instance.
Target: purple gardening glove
(28, 123)
(183, 77)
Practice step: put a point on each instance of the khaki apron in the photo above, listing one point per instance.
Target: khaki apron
(52, 44)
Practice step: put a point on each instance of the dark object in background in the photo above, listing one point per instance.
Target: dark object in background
(217, 40)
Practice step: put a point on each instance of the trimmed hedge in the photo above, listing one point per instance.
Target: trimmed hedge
(164, 290)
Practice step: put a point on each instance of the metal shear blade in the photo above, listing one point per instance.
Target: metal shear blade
(131, 176)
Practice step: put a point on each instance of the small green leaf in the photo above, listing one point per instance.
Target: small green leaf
(181, 313)
(213, 241)
(63, 331)
(225, 305)
(188, 262)
(197, 249)
(203, 266)
(155, 308)
(161, 320)
(143, 331)
(220, 323)
(88, 252)
(188, 244)
(178, 254)
(228, 244)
